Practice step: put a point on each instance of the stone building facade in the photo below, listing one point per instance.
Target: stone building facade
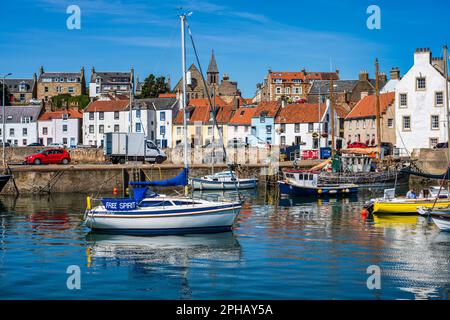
(22, 91)
(225, 88)
(52, 84)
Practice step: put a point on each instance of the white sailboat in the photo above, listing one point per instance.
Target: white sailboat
(147, 213)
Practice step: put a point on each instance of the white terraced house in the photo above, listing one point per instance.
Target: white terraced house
(21, 125)
(420, 104)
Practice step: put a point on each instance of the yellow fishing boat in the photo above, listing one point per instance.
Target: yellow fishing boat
(402, 205)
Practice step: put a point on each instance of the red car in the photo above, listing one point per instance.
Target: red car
(49, 156)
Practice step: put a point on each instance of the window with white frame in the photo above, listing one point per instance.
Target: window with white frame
(421, 83)
(434, 122)
(439, 99)
(297, 127)
(91, 128)
(310, 127)
(390, 123)
(116, 128)
(64, 128)
(278, 90)
(24, 131)
(282, 140)
(71, 89)
(179, 131)
(403, 100)
(101, 128)
(406, 123)
(298, 90)
(287, 90)
(433, 142)
(101, 115)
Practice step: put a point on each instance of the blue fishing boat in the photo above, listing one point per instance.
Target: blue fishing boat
(306, 183)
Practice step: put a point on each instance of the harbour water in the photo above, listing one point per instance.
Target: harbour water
(280, 249)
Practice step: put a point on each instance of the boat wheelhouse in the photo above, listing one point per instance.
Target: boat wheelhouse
(307, 183)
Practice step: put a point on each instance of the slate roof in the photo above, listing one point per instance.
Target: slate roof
(112, 77)
(212, 68)
(60, 75)
(365, 108)
(158, 103)
(18, 113)
(340, 86)
(13, 85)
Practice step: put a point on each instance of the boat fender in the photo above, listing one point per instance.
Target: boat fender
(115, 191)
(364, 213)
(319, 191)
(88, 203)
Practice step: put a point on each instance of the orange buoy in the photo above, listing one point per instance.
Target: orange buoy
(115, 190)
(364, 213)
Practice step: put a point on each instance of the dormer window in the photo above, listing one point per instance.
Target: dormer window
(26, 119)
(23, 87)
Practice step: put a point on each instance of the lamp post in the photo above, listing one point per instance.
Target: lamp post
(3, 130)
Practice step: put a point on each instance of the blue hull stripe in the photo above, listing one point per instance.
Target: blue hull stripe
(165, 231)
(219, 210)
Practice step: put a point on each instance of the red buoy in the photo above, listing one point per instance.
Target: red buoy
(115, 191)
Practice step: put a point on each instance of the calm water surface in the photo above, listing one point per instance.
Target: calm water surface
(281, 249)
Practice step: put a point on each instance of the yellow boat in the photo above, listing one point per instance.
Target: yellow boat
(404, 205)
(390, 204)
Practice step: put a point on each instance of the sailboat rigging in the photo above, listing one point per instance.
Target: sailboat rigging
(146, 212)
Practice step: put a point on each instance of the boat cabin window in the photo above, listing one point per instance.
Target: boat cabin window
(156, 203)
(183, 203)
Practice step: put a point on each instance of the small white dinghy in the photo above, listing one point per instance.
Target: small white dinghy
(225, 180)
(439, 215)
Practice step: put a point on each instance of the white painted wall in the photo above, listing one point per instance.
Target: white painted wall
(145, 120)
(421, 105)
(17, 138)
(56, 134)
(239, 132)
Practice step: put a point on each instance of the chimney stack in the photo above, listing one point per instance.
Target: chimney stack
(394, 74)
(364, 76)
(382, 77)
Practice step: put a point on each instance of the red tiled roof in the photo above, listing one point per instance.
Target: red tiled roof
(301, 113)
(366, 106)
(202, 114)
(289, 76)
(73, 114)
(243, 116)
(113, 105)
(167, 95)
(218, 102)
(269, 107)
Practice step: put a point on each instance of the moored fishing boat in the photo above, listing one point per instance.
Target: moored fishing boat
(305, 183)
(439, 215)
(225, 180)
(390, 204)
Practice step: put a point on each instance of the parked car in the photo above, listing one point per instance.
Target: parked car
(49, 156)
(35, 144)
(56, 145)
(441, 145)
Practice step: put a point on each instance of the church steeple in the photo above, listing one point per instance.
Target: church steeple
(213, 70)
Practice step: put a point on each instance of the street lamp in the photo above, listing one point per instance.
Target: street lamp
(3, 130)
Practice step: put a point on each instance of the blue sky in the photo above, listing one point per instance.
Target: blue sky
(248, 36)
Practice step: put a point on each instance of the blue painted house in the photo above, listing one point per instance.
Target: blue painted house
(263, 123)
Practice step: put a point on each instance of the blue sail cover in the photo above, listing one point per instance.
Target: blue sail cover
(179, 180)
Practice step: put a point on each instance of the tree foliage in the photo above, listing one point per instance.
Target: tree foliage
(153, 86)
(68, 101)
(7, 95)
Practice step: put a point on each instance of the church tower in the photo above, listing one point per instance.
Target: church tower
(213, 71)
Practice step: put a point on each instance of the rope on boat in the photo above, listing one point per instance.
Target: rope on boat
(213, 111)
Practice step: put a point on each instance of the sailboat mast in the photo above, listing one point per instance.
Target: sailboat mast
(332, 112)
(377, 107)
(446, 98)
(183, 98)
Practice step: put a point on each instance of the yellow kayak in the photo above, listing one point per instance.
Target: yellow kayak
(405, 206)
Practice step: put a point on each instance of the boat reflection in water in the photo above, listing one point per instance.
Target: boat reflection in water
(163, 249)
